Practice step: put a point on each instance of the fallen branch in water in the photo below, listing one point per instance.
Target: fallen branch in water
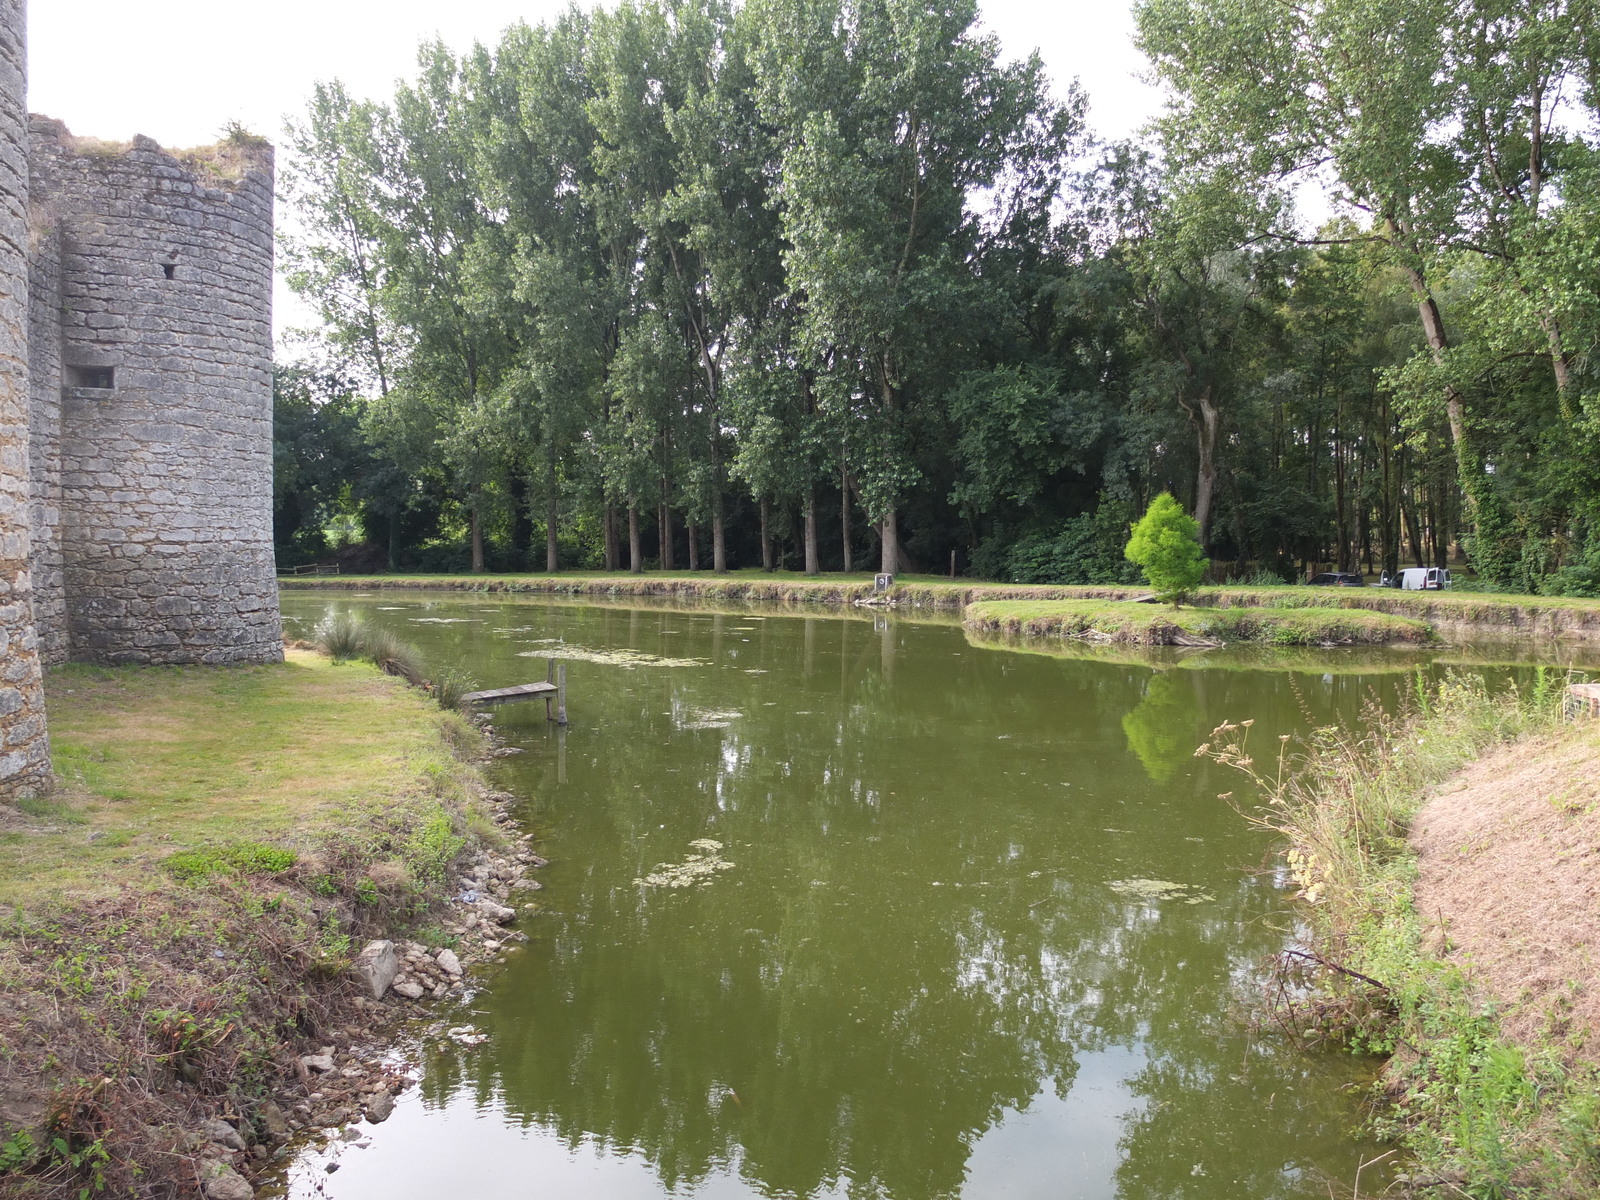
(1310, 956)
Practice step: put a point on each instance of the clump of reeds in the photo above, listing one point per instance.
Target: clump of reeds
(394, 655)
(346, 637)
(450, 685)
(341, 637)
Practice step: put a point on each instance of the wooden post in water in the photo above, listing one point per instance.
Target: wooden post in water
(549, 673)
(561, 693)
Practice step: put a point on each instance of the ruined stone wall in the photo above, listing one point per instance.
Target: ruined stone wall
(24, 747)
(44, 435)
(154, 284)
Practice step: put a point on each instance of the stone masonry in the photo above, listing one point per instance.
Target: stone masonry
(135, 407)
(24, 747)
(154, 418)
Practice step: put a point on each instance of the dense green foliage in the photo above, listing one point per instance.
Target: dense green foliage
(798, 282)
(1165, 545)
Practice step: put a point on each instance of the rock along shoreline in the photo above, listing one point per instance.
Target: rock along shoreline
(350, 1082)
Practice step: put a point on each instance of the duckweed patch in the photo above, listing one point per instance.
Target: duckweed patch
(695, 870)
(1159, 889)
(621, 657)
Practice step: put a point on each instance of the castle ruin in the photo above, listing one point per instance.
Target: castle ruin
(135, 407)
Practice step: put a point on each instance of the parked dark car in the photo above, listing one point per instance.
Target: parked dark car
(1338, 579)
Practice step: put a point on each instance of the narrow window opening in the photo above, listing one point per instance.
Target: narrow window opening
(103, 378)
(171, 270)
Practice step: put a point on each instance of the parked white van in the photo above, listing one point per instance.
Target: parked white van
(1424, 579)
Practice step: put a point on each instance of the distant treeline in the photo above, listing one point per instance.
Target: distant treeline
(821, 285)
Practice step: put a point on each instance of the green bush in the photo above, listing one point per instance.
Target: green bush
(1085, 549)
(432, 847)
(1166, 545)
(1576, 580)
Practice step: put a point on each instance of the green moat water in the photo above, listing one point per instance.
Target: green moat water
(986, 930)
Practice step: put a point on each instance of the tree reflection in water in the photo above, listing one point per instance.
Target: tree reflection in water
(917, 940)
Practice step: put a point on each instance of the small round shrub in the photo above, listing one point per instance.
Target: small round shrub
(1166, 545)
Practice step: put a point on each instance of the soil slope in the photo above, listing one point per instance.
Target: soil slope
(1509, 883)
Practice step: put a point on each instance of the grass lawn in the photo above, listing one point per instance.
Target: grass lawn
(153, 760)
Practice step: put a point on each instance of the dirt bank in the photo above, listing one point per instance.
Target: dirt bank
(1161, 625)
(1508, 885)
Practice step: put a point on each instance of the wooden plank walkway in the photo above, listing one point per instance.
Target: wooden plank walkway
(505, 695)
(553, 691)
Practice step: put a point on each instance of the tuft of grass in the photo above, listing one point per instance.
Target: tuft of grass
(342, 637)
(449, 685)
(393, 655)
(346, 637)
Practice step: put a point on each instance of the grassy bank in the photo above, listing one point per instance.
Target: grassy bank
(1161, 625)
(1482, 1113)
(180, 916)
(1451, 614)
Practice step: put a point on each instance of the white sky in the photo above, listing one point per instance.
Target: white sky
(179, 70)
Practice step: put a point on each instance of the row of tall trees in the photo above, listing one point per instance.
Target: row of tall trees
(680, 276)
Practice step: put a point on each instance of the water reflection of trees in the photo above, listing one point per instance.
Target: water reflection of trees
(1163, 728)
(824, 1015)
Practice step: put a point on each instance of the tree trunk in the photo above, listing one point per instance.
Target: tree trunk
(394, 541)
(1467, 467)
(613, 551)
(766, 536)
(844, 510)
(667, 561)
(1561, 366)
(477, 537)
(521, 521)
(1341, 512)
(694, 546)
(635, 555)
(719, 542)
(1413, 530)
(1206, 483)
(813, 557)
(891, 542)
(552, 514)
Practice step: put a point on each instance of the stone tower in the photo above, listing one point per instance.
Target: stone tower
(24, 748)
(135, 407)
(151, 357)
